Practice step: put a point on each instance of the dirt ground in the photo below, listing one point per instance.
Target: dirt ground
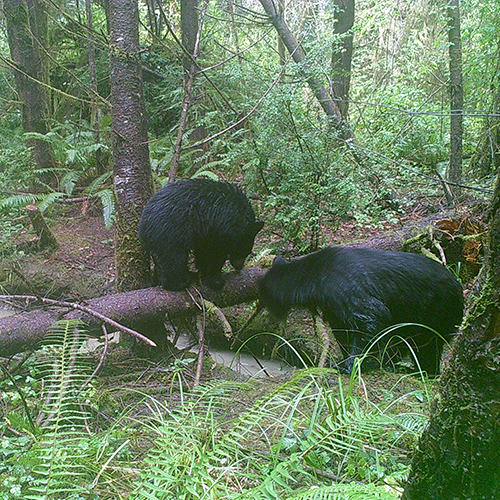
(82, 267)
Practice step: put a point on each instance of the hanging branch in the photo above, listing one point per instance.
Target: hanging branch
(299, 56)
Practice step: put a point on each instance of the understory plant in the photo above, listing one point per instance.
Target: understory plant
(312, 437)
(317, 435)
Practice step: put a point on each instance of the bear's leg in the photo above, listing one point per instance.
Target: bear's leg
(429, 352)
(357, 347)
(344, 340)
(355, 326)
(172, 270)
(209, 262)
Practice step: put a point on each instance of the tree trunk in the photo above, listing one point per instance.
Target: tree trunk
(46, 239)
(459, 454)
(190, 28)
(281, 45)
(131, 166)
(299, 56)
(456, 95)
(342, 54)
(486, 159)
(27, 35)
(94, 107)
(154, 21)
(135, 309)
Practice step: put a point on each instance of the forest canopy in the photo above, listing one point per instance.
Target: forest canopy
(253, 114)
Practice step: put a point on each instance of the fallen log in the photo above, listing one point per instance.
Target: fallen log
(132, 309)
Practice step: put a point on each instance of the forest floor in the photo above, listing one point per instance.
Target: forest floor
(83, 267)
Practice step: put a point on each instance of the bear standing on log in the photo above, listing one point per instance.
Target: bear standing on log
(212, 219)
(361, 292)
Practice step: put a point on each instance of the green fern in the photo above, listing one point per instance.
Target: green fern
(59, 452)
(97, 184)
(108, 206)
(346, 491)
(20, 200)
(303, 427)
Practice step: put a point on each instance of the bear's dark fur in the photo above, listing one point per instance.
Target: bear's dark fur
(212, 219)
(362, 291)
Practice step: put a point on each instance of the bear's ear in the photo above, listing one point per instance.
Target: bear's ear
(279, 261)
(258, 225)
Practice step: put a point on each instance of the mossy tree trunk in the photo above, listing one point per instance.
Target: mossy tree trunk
(26, 22)
(459, 452)
(131, 165)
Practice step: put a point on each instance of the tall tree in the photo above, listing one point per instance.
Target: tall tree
(27, 37)
(458, 456)
(190, 30)
(154, 20)
(131, 165)
(94, 108)
(342, 53)
(456, 94)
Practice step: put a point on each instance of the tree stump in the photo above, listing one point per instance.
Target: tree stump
(45, 237)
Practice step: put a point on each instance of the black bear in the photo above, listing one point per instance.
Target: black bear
(212, 219)
(361, 292)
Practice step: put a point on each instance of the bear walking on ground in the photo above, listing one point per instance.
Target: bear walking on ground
(361, 292)
(212, 219)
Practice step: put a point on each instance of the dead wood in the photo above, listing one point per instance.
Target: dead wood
(45, 237)
(133, 309)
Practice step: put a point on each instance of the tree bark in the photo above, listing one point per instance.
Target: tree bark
(190, 40)
(46, 239)
(27, 36)
(458, 456)
(154, 21)
(299, 56)
(131, 166)
(94, 106)
(456, 95)
(486, 159)
(342, 54)
(133, 309)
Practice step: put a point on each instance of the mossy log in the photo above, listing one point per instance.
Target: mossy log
(137, 309)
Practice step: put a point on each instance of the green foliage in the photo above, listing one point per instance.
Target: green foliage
(57, 458)
(60, 452)
(304, 429)
(317, 435)
(285, 151)
(76, 151)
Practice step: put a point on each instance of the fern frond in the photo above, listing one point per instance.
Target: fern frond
(58, 452)
(92, 148)
(108, 206)
(49, 199)
(97, 183)
(20, 200)
(203, 450)
(347, 491)
(205, 172)
(69, 181)
(37, 136)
